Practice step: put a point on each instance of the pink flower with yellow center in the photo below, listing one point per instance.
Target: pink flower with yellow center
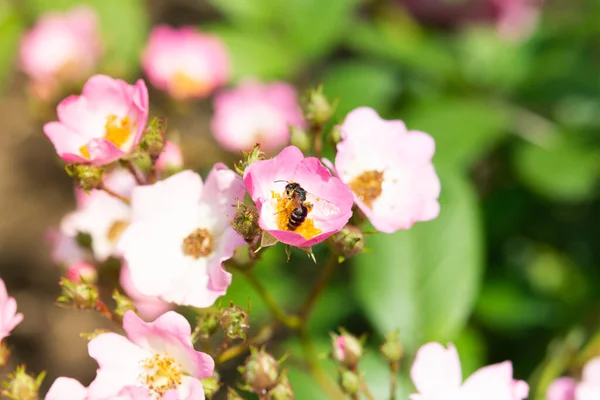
(157, 356)
(103, 124)
(436, 374)
(101, 215)
(389, 170)
(256, 113)
(148, 307)
(61, 48)
(185, 62)
(566, 388)
(9, 318)
(65, 388)
(325, 211)
(180, 235)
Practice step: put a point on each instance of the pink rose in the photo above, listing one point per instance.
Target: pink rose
(9, 318)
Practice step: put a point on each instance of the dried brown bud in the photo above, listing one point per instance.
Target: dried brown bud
(245, 222)
(234, 322)
(348, 242)
(260, 371)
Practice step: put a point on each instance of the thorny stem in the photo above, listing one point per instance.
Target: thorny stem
(133, 170)
(103, 309)
(393, 379)
(263, 336)
(317, 131)
(326, 274)
(114, 194)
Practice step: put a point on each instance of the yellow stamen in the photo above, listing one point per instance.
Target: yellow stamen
(285, 207)
(118, 131)
(183, 86)
(198, 243)
(367, 186)
(162, 373)
(116, 230)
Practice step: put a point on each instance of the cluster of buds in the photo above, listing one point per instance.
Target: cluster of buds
(346, 352)
(22, 386)
(262, 375)
(78, 295)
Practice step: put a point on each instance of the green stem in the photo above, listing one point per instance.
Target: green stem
(133, 170)
(291, 321)
(365, 388)
(317, 131)
(393, 379)
(321, 284)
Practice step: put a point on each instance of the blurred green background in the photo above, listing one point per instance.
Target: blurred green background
(511, 267)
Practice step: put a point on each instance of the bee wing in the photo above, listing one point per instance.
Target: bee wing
(324, 206)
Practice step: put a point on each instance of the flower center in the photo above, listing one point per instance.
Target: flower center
(198, 243)
(117, 131)
(161, 374)
(367, 186)
(183, 86)
(116, 229)
(284, 209)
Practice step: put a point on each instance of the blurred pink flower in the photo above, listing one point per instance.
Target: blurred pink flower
(170, 158)
(185, 62)
(180, 234)
(148, 307)
(516, 18)
(61, 48)
(103, 124)
(568, 389)
(70, 389)
(82, 271)
(331, 200)
(64, 248)
(436, 374)
(158, 356)
(101, 215)
(256, 113)
(389, 170)
(9, 318)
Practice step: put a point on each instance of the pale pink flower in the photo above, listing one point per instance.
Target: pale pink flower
(185, 62)
(170, 158)
(568, 389)
(181, 233)
(158, 356)
(61, 48)
(71, 389)
(103, 124)
(101, 215)
(256, 113)
(64, 249)
(330, 200)
(389, 170)
(82, 271)
(148, 307)
(516, 18)
(9, 318)
(436, 374)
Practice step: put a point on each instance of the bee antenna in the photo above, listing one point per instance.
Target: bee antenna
(281, 180)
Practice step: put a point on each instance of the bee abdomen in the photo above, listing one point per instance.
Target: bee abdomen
(297, 217)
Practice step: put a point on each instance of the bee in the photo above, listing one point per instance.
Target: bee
(299, 196)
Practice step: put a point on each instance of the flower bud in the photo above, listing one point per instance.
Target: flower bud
(233, 395)
(260, 371)
(87, 177)
(153, 140)
(234, 322)
(83, 296)
(82, 271)
(391, 349)
(346, 349)
(299, 138)
(336, 134)
(211, 385)
(245, 222)
(248, 158)
(171, 158)
(22, 386)
(317, 109)
(349, 381)
(123, 303)
(207, 325)
(348, 242)
(283, 390)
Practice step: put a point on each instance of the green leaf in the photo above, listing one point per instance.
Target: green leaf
(360, 83)
(258, 54)
(124, 26)
(10, 32)
(424, 281)
(244, 12)
(566, 171)
(334, 305)
(463, 129)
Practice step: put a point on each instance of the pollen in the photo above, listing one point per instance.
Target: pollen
(161, 374)
(198, 243)
(183, 86)
(116, 230)
(284, 208)
(117, 131)
(367, 186)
